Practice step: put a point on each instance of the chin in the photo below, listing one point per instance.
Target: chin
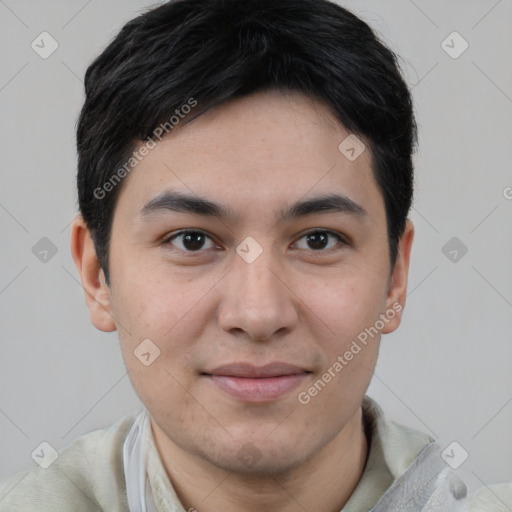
(254, 458)
(266, 466)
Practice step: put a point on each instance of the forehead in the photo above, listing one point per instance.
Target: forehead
(256, 154)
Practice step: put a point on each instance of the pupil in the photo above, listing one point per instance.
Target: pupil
(193, 241)
(317, 240)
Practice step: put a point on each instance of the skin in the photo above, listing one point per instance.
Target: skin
(204, 308)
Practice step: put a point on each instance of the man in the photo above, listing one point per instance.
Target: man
(244, 180)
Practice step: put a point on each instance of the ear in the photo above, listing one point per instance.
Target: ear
(97, 293)
(397, 293)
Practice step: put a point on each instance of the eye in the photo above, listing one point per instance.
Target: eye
(318, 240)
(194, 241)
(191, 241)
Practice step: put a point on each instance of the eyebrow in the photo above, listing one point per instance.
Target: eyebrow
(185, 203)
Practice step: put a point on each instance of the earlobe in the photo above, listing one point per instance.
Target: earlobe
(97, 293)
(397, 293)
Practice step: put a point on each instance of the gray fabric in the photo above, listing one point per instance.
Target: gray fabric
(428, 485)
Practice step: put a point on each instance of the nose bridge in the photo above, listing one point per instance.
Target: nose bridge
(255, 270)
(257, 301)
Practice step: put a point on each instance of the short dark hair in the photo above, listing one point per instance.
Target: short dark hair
(218, 50)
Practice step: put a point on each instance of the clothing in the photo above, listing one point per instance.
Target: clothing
(91, 474)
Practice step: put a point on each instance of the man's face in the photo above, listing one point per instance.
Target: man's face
(252, 288)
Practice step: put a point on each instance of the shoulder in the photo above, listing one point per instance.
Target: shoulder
(401, 446)
(87, 474)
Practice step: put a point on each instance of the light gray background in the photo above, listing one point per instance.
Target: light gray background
(447, 369)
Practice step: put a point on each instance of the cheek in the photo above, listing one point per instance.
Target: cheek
(346, 306)
(173, 314)
(350, 308)
(157, 302)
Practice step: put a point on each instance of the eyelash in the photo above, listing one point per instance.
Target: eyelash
(341, 240)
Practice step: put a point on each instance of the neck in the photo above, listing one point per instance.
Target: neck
(325, 482)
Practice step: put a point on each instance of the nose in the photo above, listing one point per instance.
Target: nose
(257, 300)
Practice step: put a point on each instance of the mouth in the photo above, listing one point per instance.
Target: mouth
(249, 383)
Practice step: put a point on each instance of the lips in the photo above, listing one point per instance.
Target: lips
(245, 370)
(249, 383)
